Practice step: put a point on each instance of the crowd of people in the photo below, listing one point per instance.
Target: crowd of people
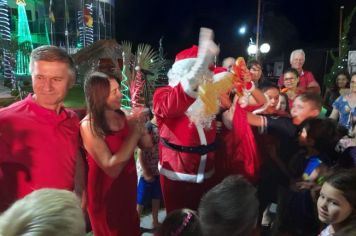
(267, 163)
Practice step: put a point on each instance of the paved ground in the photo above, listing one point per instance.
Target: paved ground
(4, 92)
(146, 222)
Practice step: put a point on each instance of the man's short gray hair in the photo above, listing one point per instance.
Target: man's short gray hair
(52, 54)
(44, 212)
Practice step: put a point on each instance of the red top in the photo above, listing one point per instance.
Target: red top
(306, 80)
(37, 149)
(112, 201)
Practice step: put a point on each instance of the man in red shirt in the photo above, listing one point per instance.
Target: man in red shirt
(38, 136)
(307, 81)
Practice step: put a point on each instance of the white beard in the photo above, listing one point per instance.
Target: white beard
(196, 112)
(197, 115)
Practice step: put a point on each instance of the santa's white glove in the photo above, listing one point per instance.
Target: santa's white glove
(264, 107)
(244, 99)
(206, 52)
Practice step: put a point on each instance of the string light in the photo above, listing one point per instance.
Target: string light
(6, 37)
(126, 101)
(24, 41)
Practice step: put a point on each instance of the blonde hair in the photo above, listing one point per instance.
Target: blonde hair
(44, 212)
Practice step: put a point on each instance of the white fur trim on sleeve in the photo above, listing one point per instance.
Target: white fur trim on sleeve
(188, 89)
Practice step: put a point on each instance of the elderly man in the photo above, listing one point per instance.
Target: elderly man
(38, 137)
(307, 81)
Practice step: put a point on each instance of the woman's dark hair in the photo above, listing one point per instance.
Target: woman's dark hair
(345, 181)
(343, 72)
(287, 102)
(291, 70)
(253, 63)
(182, 222)
(266, 85)
(97, 90)
(325, 133)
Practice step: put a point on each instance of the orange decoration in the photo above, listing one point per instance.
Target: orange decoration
(211, 92)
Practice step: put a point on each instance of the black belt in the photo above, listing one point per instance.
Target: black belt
(201, 149)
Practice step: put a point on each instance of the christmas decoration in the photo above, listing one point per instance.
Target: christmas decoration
(24, 40)
(5, 40)
(340, 62)
(141, 71)
(239, 79)
(125, 72)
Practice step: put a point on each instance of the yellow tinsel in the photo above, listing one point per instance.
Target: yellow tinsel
(209, 93)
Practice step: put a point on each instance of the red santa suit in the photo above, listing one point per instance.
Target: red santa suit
(186, 149)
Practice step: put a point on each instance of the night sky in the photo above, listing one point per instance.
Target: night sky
(287, 24)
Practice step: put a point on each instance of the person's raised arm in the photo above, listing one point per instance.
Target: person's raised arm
(111, 164)
(257, 98)
(334, 114)
(256, 120)
(252, 119)
(145, 141)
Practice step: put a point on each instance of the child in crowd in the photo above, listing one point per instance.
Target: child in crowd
(306, 105)
(271, 92)
(317, 138)
(285, 130)
(230, 208)
(183, 222)
(337, 203)
(149, 187)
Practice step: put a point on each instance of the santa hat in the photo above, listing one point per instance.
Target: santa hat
(187, 53)
(220, 73)
(183, 63)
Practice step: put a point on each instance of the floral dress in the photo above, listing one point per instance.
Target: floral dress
(347, 113)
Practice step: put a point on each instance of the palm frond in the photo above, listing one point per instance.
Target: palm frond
(148, 59)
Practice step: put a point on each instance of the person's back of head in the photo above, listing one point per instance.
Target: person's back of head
(44, 212)
(182, 222)
(230, 208)
(325, 133)
(228, 62)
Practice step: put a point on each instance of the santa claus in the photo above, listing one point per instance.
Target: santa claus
(187, 143)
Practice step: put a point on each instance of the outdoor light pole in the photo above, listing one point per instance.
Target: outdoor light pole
(340, 28)
(258, 28)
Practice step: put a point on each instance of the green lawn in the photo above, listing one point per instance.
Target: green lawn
(4, 102)
(75, 97)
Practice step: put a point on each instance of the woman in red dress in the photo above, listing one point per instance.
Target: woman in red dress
(110, 139)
